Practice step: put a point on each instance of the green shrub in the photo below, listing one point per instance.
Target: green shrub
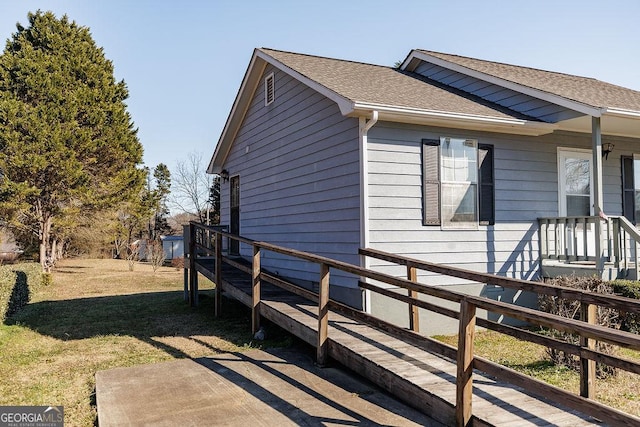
(571, 309)
(629, 322)
(17, 282)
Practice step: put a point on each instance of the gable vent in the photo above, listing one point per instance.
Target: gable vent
(269, 91)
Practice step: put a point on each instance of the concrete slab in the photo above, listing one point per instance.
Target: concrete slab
(257, 388)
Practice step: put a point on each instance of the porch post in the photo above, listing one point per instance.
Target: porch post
(596, 139)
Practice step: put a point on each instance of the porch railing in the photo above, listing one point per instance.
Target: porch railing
(625, 245)
(574, 239)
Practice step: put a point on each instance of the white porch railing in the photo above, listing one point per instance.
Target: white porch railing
(574, 240)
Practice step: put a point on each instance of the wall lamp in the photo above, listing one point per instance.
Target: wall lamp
(607, 147)
(224, 175)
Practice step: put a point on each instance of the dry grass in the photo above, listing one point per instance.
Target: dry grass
(621, 392)
(98, 315)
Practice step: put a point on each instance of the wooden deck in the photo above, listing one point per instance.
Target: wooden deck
(420, 378)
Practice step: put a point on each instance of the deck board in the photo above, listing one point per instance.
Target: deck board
(424, 380)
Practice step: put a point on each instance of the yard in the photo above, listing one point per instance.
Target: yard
(98, 315)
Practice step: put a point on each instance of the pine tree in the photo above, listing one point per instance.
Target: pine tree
(67, 142)
(162, 178)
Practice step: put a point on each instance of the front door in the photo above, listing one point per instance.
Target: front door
(575, 198)
(575, 175)
(234, 214)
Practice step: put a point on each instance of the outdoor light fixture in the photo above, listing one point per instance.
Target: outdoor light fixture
(607, 147)
(224, 175)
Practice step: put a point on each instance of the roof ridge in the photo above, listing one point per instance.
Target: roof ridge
(267, 49)
(513, 65)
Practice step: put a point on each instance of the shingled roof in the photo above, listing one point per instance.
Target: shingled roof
(402, 95)
(380, 85)
(585, 90)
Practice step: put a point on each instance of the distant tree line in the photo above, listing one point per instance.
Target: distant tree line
(71, 174)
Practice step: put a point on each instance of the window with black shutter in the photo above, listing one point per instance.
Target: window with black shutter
(457, 183)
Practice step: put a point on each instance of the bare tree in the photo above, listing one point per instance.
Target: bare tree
(190, 187)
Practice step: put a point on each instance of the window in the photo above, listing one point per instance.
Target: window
(631, 188)
(269, 90)
(575, 180)
(458, 183)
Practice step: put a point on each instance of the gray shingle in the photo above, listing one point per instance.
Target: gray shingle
(375, 84)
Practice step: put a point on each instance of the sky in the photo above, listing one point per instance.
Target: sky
(183, 61)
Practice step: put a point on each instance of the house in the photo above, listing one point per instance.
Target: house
(476, 164)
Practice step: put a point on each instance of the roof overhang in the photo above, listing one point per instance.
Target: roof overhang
(415, 56)
(612, 123)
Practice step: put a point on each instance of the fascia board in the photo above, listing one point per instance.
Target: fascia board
(536, 93)
(237, 113)
(437, 113)
(407, 115)
(345, 105)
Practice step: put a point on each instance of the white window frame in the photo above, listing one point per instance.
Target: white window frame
(463, 225)
(269, 82)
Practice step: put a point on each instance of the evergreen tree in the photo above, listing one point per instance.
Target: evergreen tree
(67, 142)
(162, 178)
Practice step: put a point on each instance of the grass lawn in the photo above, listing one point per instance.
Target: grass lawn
(98, 315)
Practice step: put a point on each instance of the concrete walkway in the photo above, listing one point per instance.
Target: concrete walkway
(257, 388)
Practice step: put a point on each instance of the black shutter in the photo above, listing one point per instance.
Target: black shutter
(430, 182)
(628, 190)
(486, 208)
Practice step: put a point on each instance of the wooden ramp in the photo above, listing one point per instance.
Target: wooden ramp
(423, 380)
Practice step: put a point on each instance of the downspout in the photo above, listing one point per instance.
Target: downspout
(598, 198)
(365, 126)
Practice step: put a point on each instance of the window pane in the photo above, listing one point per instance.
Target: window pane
(636, 173)
(459, 205)
(578, 205)
(637, 193)
(577, 176)
(459, 160)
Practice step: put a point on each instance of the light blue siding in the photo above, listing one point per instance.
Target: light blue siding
(298, 161)
(526, 188)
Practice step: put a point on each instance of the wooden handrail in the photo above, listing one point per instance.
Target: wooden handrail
(610, 301)
(466, 361)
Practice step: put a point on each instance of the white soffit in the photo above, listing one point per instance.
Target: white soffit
(611, 124)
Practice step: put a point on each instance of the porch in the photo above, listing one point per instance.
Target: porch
(588, 245)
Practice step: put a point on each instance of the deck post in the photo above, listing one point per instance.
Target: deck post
(193, 292)
(464, 374)
(186, 282)
(255, 293)
(589, 314)
(414, 317)
(218, 273)
(323, 316)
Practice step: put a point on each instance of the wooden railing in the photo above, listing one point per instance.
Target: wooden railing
(625, 239)
(574, 239)
(466, 315)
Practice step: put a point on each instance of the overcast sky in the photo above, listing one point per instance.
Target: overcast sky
(183, 61)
